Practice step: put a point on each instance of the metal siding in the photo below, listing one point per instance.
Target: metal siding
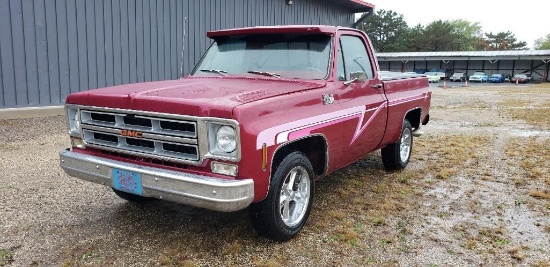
(132, 40)
(63, 49)
(50, 48)
(147, 65)
(18, 53)
(91, 44)
(53, 56)
(7, 81)
(31, 59)
(108, 45)
(100, 43)
(117, 53)
(83, 74)
(140, 71)
(124, 41)
(72, 34)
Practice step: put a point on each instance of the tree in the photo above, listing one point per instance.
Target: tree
(387, 31)
(452, 35)
(467, 35)
(415, 39)
(504, 41)
(543, 43)
(439, 36)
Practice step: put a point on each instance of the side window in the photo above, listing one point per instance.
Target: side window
(340, 71)
(355, 56)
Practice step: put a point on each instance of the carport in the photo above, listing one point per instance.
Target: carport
(534, 62)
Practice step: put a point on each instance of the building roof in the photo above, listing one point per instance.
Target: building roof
(356, 6)
(467, 55)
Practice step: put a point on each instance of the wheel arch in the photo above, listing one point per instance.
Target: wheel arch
(414, 116)
(314, 146)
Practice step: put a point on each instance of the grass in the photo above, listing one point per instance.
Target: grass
(449, 155)
(6, 256)
(531, 154)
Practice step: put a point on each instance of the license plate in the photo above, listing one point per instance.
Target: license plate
(127, 181)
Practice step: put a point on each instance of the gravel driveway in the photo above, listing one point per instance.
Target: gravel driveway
(469, 197)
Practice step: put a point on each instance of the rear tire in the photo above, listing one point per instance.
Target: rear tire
(133, 198)
(285, 210)
(396, 156)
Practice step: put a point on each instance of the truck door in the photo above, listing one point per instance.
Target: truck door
(365, 96)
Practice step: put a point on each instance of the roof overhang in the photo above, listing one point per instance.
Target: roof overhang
(466, 55)
(355, 6)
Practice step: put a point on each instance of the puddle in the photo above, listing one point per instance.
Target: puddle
(523, 228)
(519, 133)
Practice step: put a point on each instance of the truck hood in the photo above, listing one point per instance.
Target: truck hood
(195, 96)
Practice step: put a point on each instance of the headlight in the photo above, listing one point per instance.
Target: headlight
(226, 139)
(73, 120)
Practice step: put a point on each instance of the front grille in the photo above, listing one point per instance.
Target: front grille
(140, 134)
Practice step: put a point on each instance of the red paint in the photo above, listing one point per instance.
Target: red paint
(266, 107)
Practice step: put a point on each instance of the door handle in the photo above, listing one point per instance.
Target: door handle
(377, 86)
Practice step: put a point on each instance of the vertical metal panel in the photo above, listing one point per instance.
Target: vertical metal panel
(140, 70)
(72, 37)
(147, 65)
(7, 75)
(108, 45)
(124, 41)
(173, 55)
(100, 43)
(63, 49)
(117, 46)
(83, 74)
(31, 59)
(50, 48)
(54, 92)
(132, 40)
(91, 44)
(21, 96)
(166, 39)
(154, 39)
(160, 39)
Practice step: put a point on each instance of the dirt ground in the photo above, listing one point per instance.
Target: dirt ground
(476, 193)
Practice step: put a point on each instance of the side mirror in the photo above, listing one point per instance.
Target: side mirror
(356, 77)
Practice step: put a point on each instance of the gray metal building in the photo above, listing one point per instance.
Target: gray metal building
(50, 48)
(534, 62)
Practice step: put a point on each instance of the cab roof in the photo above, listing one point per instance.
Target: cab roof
(321, 29)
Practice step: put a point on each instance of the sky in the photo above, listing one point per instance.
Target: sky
(528, 20)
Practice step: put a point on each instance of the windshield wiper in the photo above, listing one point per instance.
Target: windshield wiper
(265, 73)
(220, 72)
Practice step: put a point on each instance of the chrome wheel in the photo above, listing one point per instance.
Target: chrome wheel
(406, 144)
(294, 197)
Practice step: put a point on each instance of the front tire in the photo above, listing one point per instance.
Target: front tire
(396, 156)
(285, 210)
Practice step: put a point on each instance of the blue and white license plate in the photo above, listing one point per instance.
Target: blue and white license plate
(127, 181)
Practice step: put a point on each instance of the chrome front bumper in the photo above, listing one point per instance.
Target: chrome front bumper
(190, 189)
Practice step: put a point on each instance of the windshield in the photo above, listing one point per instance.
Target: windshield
(496, 75)
(274, 55)
(430, 73)
(479, 73)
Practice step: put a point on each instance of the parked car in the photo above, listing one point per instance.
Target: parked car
(507, 77)
(479, 77)
(496, 78)
(433, 77)
(458, 77)
(520, 78)
(529, 77)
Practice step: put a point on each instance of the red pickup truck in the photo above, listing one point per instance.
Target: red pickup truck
(265, 112)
